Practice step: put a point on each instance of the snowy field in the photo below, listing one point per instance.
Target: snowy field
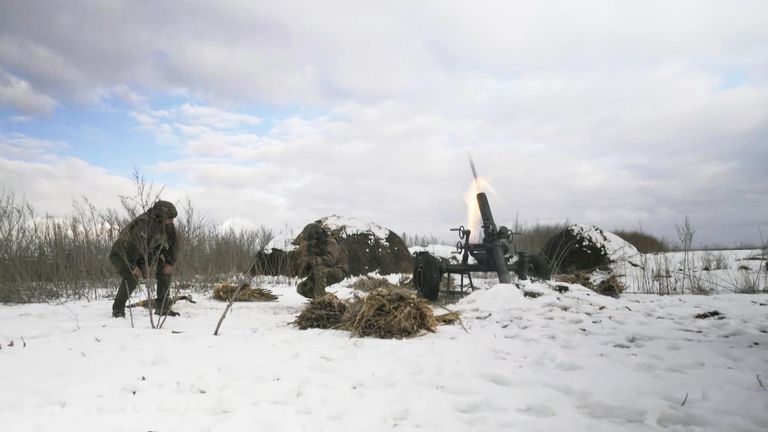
(570, 361)
(700, 272)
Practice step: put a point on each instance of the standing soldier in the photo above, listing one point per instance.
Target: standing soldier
(322, 260)
(148, 240)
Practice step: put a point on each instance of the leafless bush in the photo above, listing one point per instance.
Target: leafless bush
(531, 239)
(713, 261)
(746, 280)
(44, 258)
(685, 234)
(411, 240)
(642, 241)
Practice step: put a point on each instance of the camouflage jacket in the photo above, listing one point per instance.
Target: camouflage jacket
(147, 237)
(329, 252)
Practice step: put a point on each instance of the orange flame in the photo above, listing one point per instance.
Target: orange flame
(474, 221)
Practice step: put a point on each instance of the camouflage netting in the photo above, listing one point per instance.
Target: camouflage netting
(225, 291)
(323, 313)
(369, 248)
(587, 248)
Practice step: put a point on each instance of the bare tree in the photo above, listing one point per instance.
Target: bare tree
(685, 234)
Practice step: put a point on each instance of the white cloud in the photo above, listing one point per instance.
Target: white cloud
(22, 147)
(407, 170)
(19, 95)
(51, 184)
(339, 50)
(216, 118)
(606, 112)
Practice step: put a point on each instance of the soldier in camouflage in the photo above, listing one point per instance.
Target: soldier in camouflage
(322, 260)
(149, 240)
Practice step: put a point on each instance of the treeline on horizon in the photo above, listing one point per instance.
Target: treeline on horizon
(45, 258)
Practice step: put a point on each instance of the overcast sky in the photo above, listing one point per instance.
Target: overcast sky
(615, 113)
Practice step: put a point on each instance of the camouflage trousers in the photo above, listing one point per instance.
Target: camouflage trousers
(319, 277)
(130, 282)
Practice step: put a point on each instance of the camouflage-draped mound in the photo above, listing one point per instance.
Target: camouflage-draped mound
(369, 248)
(587, 248)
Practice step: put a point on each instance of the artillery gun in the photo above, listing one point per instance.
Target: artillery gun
(493, 254)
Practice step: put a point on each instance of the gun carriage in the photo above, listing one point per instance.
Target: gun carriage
(494, 254)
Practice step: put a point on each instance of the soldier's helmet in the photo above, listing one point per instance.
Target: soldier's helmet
(316, 231)
(312, 230)
(505, 233)
(163, 210)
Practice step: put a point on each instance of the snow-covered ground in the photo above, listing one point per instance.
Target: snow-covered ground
(699, 272)
(570, 361)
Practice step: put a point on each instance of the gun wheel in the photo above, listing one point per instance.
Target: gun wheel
(538, 267)
(426, 275)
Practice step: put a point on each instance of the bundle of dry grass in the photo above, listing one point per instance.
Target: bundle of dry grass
(389, 313)
(611, 287)
(323, 312)
(369, 284)
(577, 278)
(448, 318)
(225, 291)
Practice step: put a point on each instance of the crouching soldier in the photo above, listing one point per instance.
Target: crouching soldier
(149, 240)
(323, 261)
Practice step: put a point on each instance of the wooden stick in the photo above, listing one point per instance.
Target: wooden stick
(229, 306)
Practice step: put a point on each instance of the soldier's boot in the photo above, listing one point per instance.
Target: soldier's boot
(164, 307)
(123, 292)
(305, 289)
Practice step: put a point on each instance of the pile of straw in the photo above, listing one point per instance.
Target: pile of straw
(225, 291)
(577, 278)
(448, 318)
(323, 312)
(611, 287)
(389, 313)
(369, 283)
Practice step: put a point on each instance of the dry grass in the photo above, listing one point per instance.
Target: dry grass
(610, 287)
(577, 278)
(369, 284)
(225, 291)
(448, 318)
(390, 313)
(323, 312)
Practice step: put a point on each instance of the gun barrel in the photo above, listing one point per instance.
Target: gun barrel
(491, 240)
(485, 212)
